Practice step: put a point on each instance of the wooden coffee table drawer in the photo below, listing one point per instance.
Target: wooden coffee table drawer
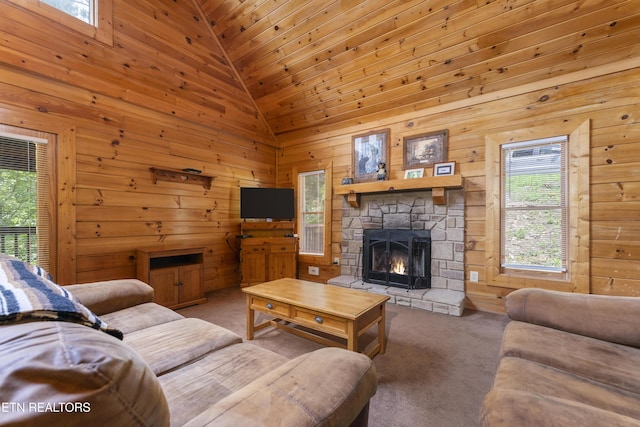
(269, 306)
(320, 321)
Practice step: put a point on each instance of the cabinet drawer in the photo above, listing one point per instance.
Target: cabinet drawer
(255, 249)
(320, 321)
(269, 306)
(285, 247)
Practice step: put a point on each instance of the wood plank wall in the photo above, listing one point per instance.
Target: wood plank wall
(610, 102)
(162, 96)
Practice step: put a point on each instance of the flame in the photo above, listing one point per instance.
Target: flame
(398, 267)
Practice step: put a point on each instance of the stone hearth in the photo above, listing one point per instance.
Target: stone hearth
(414, 211)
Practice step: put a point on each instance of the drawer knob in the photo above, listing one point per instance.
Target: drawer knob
(269, 305)
(319, 319)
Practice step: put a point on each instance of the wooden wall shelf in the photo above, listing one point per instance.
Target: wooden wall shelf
(176, 175)
(437, 184)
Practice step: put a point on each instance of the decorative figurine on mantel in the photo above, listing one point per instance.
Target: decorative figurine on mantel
(381, 174)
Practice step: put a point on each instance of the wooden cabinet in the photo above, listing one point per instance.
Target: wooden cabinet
(176, 275)
(268, 251)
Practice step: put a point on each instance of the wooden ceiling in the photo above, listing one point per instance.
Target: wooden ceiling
(322, 62)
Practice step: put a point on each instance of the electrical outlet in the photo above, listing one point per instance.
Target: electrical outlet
(314, 271)
(473, 276)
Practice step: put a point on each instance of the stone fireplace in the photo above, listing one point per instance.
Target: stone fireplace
(442, 290)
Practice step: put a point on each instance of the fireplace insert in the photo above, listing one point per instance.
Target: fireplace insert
(400, 258)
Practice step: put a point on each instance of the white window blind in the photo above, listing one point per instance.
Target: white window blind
(311, 189)
(534, 208)
(24, 196)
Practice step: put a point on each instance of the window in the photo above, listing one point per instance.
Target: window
(534, 210)
(84, 10)
(312, 201)
(537, 208)
(92, 18)
(314, 214)
(24, 191)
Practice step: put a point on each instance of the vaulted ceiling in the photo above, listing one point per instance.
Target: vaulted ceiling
(322, 62)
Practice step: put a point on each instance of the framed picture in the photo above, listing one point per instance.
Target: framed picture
(414, 173)
(368, 151)
(425, 149)
(444, 169)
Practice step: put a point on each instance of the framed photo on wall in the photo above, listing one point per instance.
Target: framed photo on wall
(368, 151)
(444, 169)
(425, 149)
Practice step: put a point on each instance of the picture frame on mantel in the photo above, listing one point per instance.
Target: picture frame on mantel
(414, 173)
(368, 150)
(425, 148)
(444, 169)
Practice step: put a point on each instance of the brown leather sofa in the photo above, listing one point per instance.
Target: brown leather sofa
(567, 360)
(168, 370)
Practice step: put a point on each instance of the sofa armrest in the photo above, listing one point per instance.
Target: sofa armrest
(327, 387)
(609, 318)
(112, 295)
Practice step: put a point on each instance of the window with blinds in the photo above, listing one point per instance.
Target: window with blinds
(24, 195)
(534, 205)
(311, 192)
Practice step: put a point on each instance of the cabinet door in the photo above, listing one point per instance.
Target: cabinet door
(191, 283)
(165, 285)
(254, 264)
(282, 261)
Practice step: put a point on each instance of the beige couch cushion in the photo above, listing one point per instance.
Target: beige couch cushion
(607, 363)
(306, 391)
(191, 389)
(112, 295)
(140, 317)
(532, 377)
(514, 408)
(189, 339)
(85, 376)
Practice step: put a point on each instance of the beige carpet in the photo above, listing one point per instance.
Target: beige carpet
(435, 371)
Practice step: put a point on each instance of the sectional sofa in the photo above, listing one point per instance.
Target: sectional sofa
(567, 360)
(61, 369)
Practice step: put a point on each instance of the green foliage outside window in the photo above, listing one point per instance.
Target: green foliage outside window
(17, 213)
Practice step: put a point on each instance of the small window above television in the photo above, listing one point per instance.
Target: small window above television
(267, 203)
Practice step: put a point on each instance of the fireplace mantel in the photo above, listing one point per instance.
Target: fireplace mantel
(437, 184)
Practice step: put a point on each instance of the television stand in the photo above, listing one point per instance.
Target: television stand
(269, 253)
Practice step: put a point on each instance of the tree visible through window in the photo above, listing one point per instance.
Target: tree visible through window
(23, 200)
(312, 207)
(81, 9)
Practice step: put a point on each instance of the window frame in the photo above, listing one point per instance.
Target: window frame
(576, 278)
(101, 30)
(327, 168)
(61, 151)
(562, 205)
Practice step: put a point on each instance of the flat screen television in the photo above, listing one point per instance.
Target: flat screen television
(267, 203)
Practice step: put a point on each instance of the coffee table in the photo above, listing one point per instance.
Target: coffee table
(338, 312)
